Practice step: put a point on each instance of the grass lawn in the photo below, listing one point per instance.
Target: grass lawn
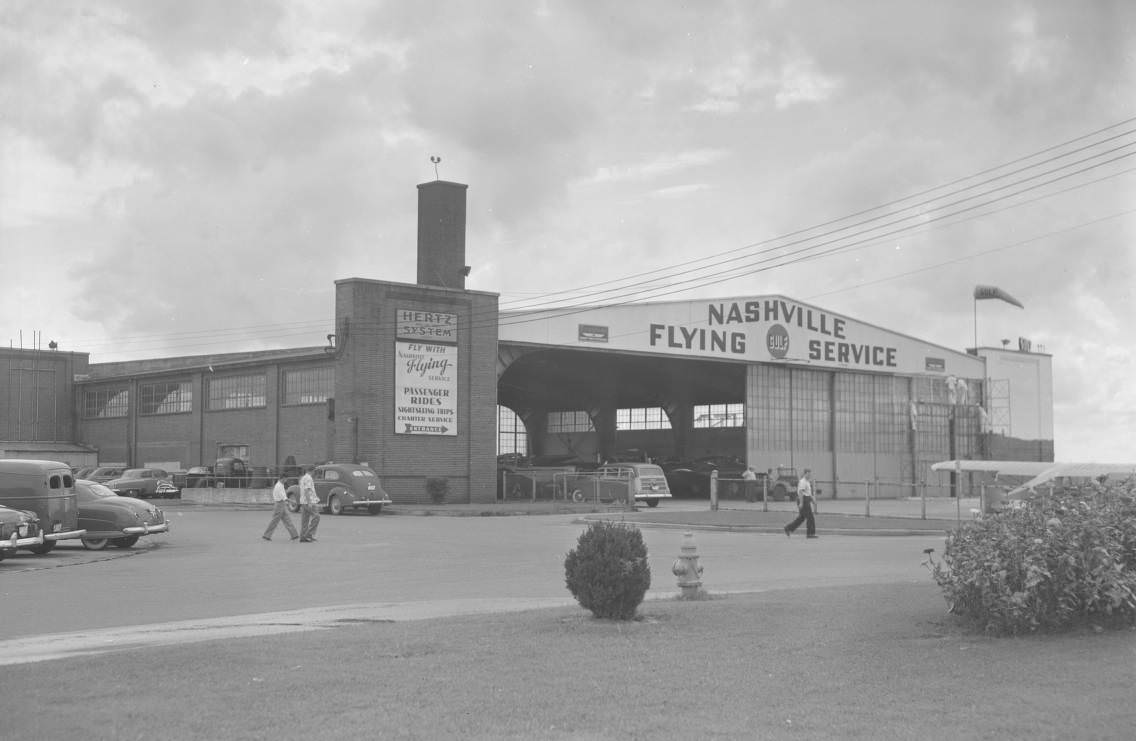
(872, 662)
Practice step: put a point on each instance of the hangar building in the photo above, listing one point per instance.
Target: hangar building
(415, 378)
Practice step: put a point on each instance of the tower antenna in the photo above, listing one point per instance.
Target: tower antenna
(435, 160)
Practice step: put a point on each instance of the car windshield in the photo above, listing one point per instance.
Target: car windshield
(91, 491)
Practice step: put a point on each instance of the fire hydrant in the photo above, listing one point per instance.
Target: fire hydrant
(687, 569)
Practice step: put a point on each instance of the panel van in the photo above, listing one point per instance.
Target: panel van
(46, 488)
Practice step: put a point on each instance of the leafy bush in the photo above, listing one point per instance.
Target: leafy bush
(438, 487)
(607, 571)
(1063, 559)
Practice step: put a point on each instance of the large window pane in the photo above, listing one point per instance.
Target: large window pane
(105, 402)
(643, 418)
(237, 392)
(511, 434)
(719, 415)
(165, 397)
(309, 385)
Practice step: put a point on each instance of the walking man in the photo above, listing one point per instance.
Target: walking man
(749, 484)
(280, 511)
(804, 507)
(309, 506)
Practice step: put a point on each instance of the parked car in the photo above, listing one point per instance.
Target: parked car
(343, 485)
(18, 529)
(692, 478)
(85, 471)
(143, 483)
(228, 472)
(110, 519)
(103, 474)
(46, 488)
(611, 483)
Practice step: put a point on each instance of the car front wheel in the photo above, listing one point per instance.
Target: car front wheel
(652, 502)
(334, 505)
(125, 542)
(95, 544)
(374, 509)
(293, 505)
(40, 550)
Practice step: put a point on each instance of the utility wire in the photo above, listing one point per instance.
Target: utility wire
(882, 206)
(671, 287)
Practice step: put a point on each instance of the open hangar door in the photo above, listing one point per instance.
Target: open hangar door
(536, 381)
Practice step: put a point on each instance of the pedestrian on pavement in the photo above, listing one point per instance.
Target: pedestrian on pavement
(309, 506)
(749, 485)
(280, 511)
(804, 507)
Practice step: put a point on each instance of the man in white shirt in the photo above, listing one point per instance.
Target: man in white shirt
(749, 485)
(804, 507)
(280, 511)
(309, 507)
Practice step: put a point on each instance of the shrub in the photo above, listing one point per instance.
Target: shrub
(438, 488)
(1062, 560)
(607, 571)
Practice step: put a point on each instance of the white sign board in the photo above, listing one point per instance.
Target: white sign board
(426, 389)
(770, 329)
(432, 326)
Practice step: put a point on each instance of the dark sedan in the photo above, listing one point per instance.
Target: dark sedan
(110, 519)
(18, 529)
(143, 483)
(341, 486)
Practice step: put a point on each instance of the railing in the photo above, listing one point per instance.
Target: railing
(565, 485)
(869, 491)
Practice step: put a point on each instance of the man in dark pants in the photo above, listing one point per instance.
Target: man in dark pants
(804, 507)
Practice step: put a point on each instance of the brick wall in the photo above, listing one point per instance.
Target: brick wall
(365, 391)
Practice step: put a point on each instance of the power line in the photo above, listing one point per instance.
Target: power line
(874, 208)
(629, 291)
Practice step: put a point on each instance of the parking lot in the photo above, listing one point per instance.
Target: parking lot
(213, 564)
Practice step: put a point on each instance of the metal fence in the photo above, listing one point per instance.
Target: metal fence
(888, 497)
(564, 484)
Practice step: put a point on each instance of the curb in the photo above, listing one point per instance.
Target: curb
(769, 529)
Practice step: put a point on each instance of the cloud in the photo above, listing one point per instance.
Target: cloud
(188, 169)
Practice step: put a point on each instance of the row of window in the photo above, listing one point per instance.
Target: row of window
(794, 409)
(650, 418)
(300, 387)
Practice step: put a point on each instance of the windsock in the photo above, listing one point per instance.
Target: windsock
(981, 292)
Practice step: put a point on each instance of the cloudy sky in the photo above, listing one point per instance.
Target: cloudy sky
(179, 178)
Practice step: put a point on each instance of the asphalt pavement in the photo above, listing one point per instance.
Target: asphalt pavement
(213, 576)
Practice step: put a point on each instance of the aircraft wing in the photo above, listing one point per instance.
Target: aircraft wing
(1007, 468)
(1078, 470)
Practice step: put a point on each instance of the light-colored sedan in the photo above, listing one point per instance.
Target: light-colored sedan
(110, 519)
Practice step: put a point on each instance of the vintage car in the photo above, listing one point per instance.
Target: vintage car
(110, 519)
(103, 474)
(18, 529)
(692, 478)
(143, 483)
(612, 482)
(46, 488)
(341, 486)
